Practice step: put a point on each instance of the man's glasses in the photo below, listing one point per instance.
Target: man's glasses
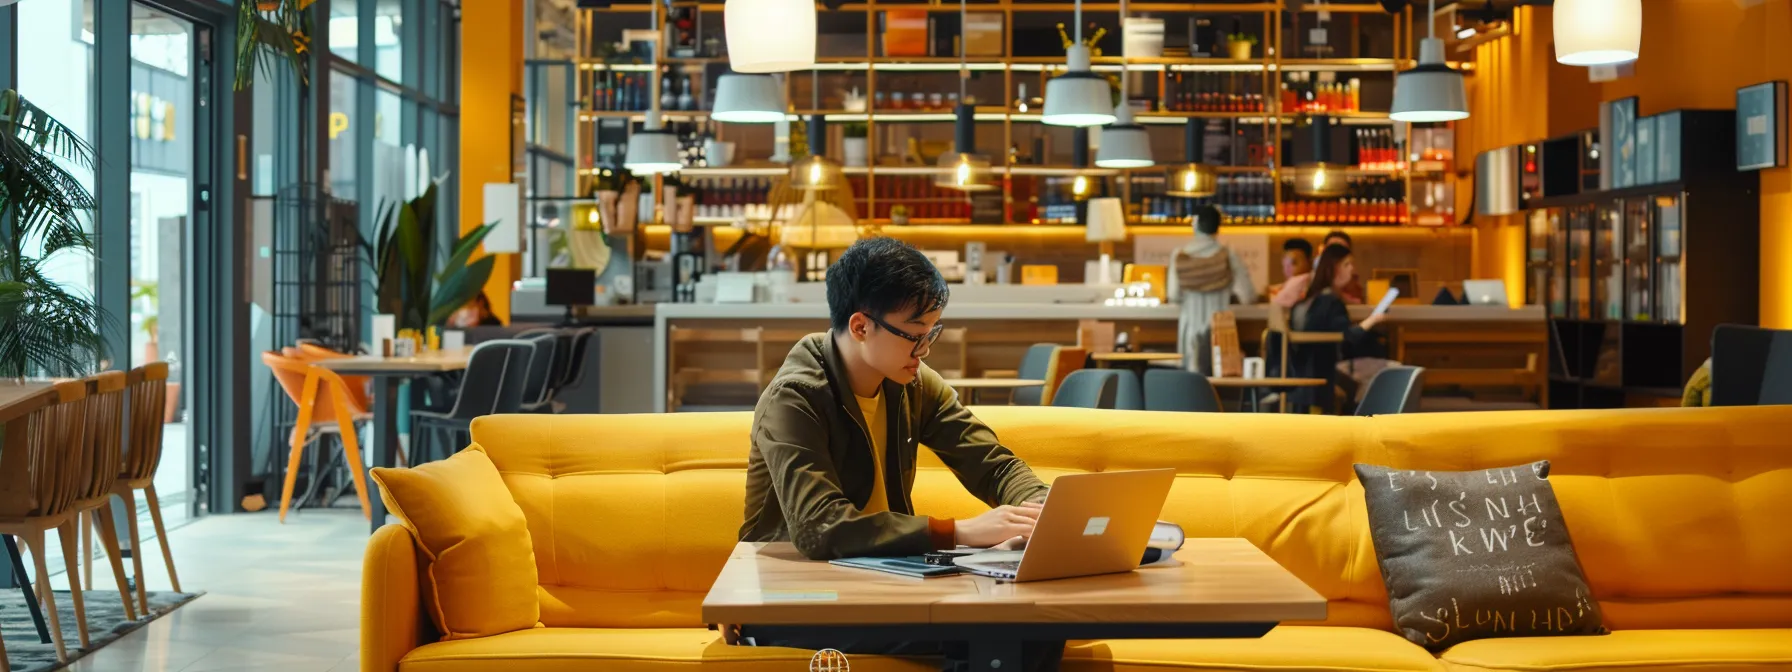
(922, 343)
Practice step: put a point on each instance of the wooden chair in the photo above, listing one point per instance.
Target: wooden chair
(681, 377)
(39, 485)
(1225, 337)
(1064, 361)
(143, 454)
(323, 399)
(1279, 325)
(101, 457)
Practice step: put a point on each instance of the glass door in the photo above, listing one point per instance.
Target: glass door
(168, 115)
(1638, 263)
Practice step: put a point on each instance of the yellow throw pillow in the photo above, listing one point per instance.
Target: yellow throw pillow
(481, 578)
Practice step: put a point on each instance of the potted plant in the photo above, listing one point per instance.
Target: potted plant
(414, 286)
(1239, 45)
(45, 327)
(856, 144)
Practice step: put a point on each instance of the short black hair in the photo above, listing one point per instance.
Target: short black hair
(1298, 244)
(879, 275)
(1207, 219)
(1341, 236)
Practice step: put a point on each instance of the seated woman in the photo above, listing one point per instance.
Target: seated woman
(1322, 309)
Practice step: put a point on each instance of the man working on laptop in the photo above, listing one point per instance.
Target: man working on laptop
(835, 435)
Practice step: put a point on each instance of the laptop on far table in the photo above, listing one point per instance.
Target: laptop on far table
(1484, 292)
(1090, 524)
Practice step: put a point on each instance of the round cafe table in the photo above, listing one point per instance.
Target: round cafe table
(974, 385)
(1104, 359)
(1254, 386)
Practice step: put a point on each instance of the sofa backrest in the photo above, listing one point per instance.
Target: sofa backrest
(1677, 514)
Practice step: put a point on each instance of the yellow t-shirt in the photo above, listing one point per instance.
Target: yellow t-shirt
(878, 427)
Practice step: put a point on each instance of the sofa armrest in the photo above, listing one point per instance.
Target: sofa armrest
(392, 619)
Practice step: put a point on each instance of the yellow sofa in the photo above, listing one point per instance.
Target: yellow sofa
(1682, 519)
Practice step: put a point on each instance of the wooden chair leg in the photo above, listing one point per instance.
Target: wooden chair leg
(87, 549)
(155, 518)
(35, 542)
(108, 529)
(70, 545)
(130, 518)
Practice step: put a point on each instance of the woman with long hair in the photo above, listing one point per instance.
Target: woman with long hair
(1322, 309)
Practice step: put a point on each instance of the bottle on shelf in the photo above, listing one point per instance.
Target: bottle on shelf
(668, 98)
(685, 101)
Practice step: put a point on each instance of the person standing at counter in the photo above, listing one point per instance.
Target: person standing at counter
(1323, 309)
(832, 453)
(1204, 276)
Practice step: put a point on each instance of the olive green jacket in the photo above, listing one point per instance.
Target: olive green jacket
(810, 467)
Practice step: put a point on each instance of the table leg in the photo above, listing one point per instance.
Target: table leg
(23, 581)
(996, 655)
(385, 441)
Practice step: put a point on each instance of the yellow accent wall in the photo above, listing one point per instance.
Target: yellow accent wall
(491, 74)
(1695, 54)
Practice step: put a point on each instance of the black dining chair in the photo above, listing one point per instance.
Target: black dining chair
(1393, 390)
(580, 392)
(538, 392)
(1750, 366)
(1087, 388)
(493, 383)
(1036, 364)
(1179, 390)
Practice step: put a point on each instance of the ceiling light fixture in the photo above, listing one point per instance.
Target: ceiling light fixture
(1124, 144)
(816, 172)
(1598, 32)
(1078, 97)
(1320, 179)
(963, 169)
(1195, 179)
(748, 99)
(769, 35)
(1431, 91)
(653, 150)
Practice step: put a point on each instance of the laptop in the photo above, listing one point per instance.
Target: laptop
(1090, 524)
(1484, 292)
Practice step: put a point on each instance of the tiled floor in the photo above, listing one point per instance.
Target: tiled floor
(279, 598)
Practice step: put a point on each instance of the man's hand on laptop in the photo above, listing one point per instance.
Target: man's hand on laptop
(998, 526)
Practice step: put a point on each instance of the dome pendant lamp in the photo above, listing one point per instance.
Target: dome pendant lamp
(769, 35)
(1078, 97)
(653, 150)
(963, 169)
(1124, 144)
(1195, 179)
(1432, 91)
(748, 99)
(1598, 32)
(1320, 179)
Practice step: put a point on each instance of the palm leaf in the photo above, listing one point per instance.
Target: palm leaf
(269, 40)
(464, 249)
(459, 288)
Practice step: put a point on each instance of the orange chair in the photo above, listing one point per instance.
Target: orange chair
(357, 385)
(148, 385)
(323, 398)
(40, 497)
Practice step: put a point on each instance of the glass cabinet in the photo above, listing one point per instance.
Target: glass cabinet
(1536, 258)
(1608, 262)
(1582, 220)
(1670, 282)
(1639, 264)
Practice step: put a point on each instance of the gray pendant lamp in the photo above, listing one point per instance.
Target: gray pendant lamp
(963, 169)
(653, 150)
(1194, 179)
(1078, 97)
(1321, 178)
(1431, 91)
(1124, 144)
(748, 99)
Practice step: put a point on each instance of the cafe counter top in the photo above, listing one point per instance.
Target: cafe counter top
(1078, 311)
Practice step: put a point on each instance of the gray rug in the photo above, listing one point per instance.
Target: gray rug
(105, 623)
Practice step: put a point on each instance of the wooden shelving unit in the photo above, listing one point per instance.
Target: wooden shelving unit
(1268, 68)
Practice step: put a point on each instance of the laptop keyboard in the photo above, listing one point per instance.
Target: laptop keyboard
(1001, 566)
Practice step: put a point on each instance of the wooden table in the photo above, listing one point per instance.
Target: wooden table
(975, 385)
(1103, 359)
(386, 372)
(1218, 588)
(1254, 386)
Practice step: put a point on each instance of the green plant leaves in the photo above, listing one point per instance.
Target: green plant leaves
(411, 284)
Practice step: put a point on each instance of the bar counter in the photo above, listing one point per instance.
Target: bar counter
(1467, 345)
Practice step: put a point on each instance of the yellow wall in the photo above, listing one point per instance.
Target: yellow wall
(491, 74)
(1695, 54)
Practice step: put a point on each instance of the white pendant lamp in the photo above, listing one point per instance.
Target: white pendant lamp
(1598, 32)
(963, 169)
(1124, 144)
(1078, 97)
(653, 150)
(769, 35)
(1432, 91)
(748, 99)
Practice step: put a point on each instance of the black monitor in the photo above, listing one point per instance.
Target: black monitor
(571, 287)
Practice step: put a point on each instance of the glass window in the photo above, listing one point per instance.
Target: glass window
(345, 29)
(342, 135)
(388, 39)
(58, 47)
(389, 151)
